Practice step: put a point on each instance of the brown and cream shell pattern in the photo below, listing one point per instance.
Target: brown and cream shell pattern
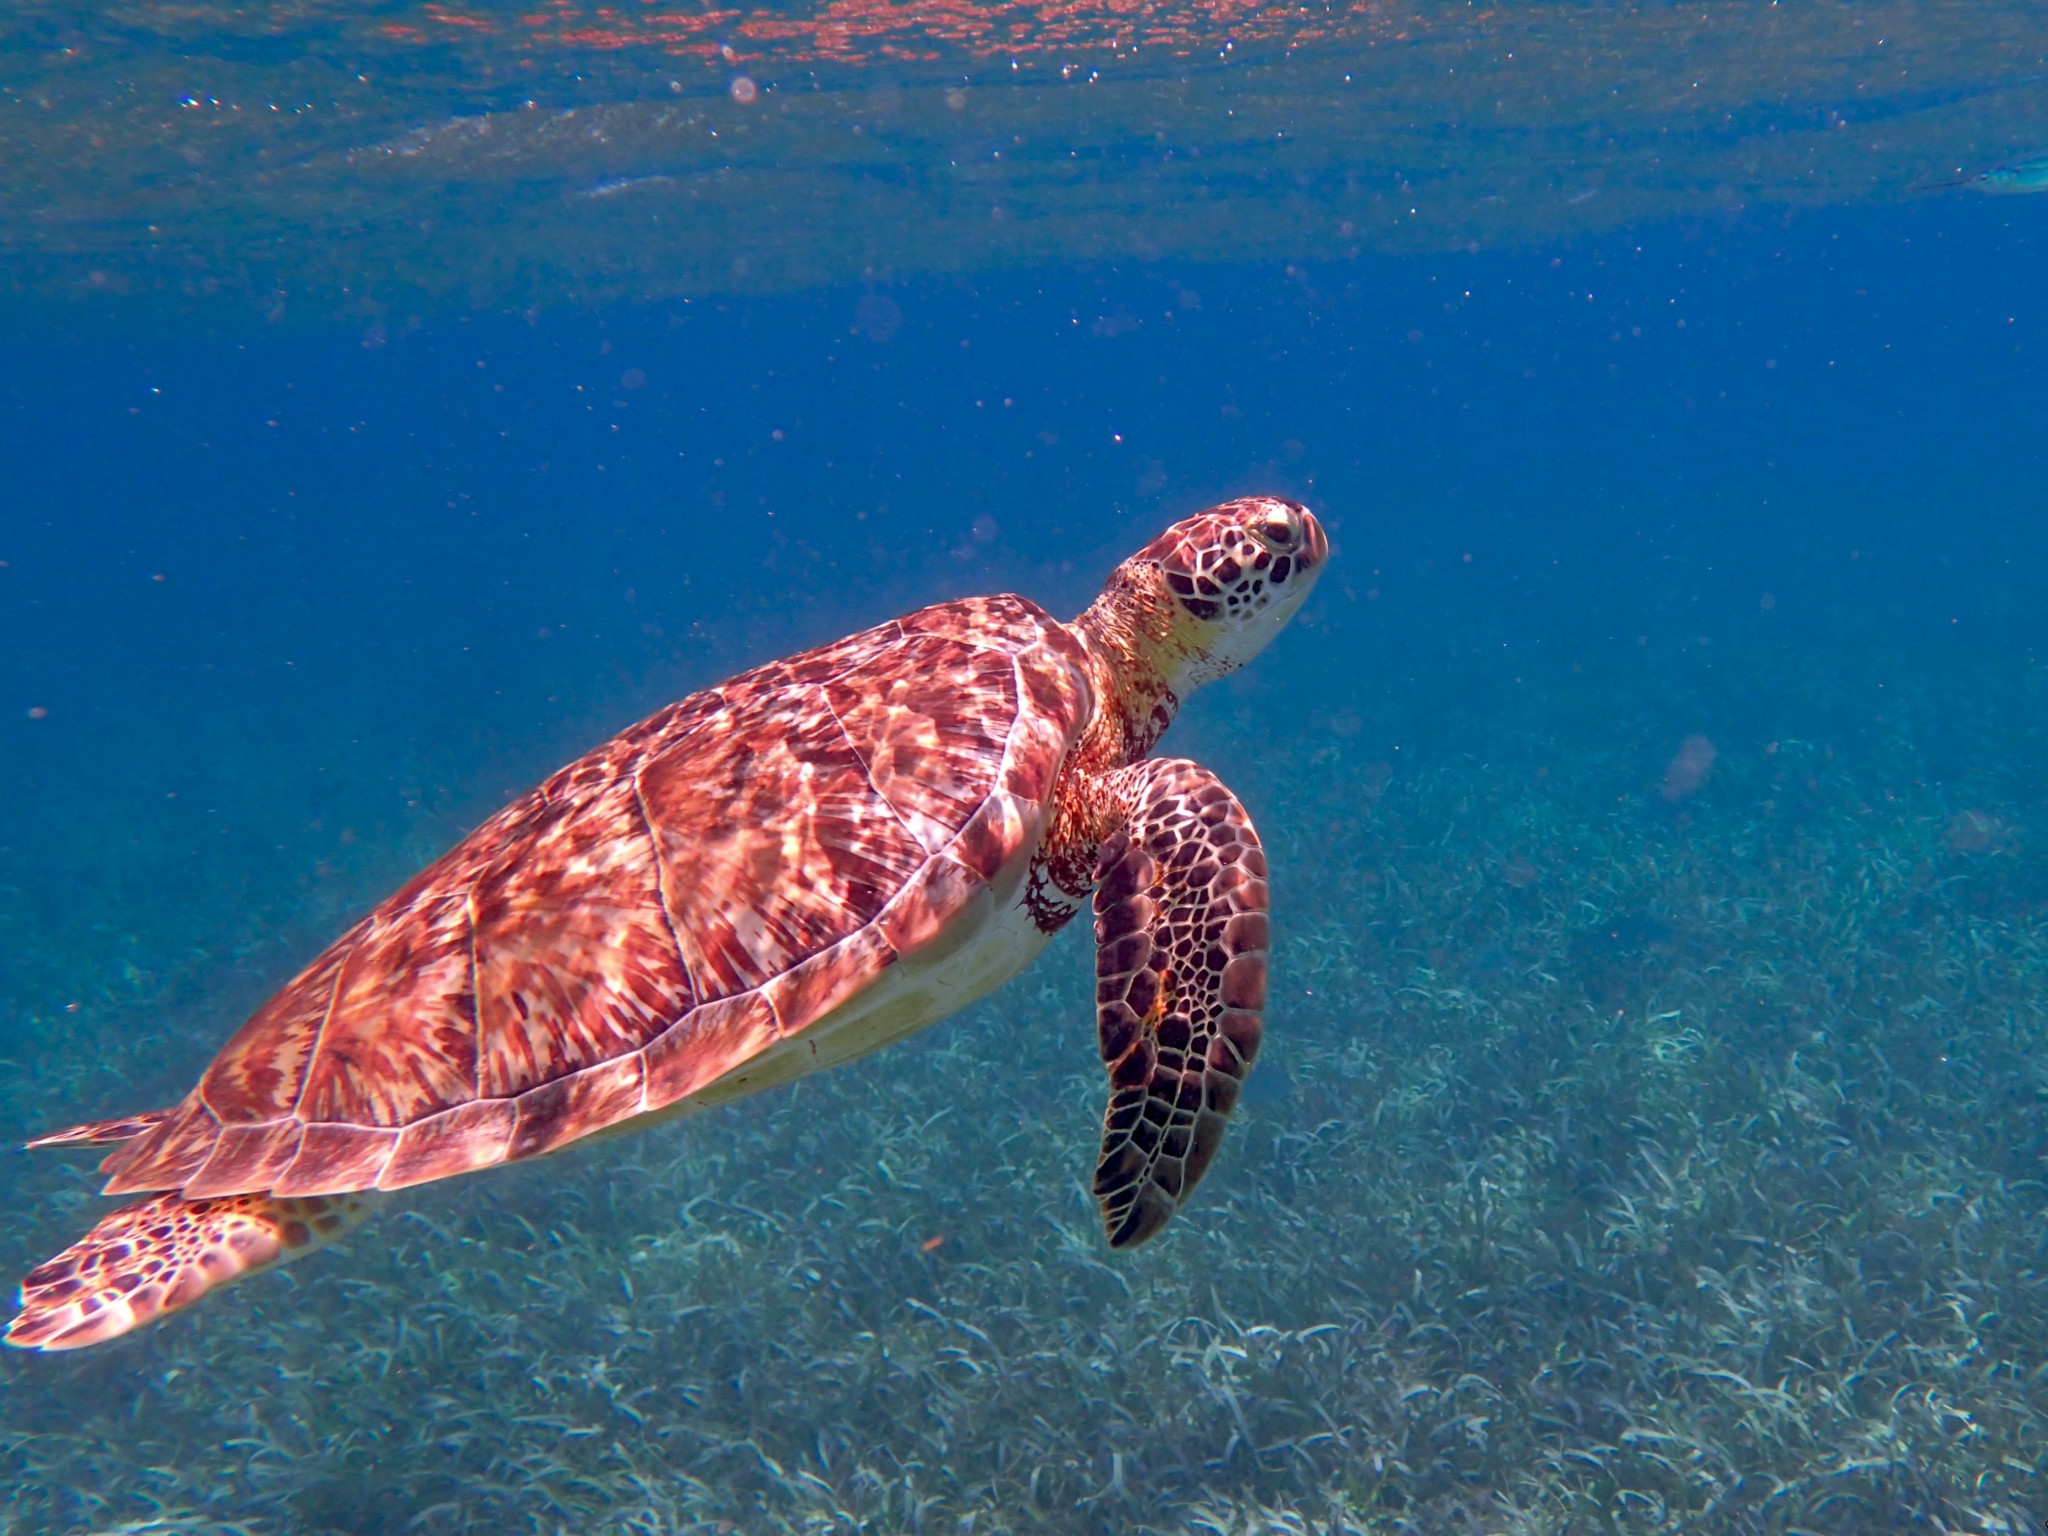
(653, 916)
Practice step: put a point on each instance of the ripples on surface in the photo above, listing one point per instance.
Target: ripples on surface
(316, 159)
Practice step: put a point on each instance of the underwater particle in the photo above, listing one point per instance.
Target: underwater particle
(1689, 769)
(743, 90)
(38, 712)
(633, 378)
(985, 530)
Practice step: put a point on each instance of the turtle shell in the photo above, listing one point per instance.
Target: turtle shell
(704, 885)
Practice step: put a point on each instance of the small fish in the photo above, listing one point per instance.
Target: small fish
(623, 184)
(2030, 175)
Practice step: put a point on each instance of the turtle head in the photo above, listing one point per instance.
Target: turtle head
(1196, 603)
(1210, 592)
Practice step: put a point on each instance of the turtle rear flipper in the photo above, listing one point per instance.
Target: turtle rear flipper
(164, 1253)
(101, 1133)
(1180, 965)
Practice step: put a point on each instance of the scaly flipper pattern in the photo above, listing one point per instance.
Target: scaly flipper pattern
(150, 1259)
(1181, 934)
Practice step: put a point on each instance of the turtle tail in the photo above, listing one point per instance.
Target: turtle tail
(149, 1259)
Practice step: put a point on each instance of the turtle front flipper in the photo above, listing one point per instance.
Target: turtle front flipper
(164, 1253)
(1180, 966)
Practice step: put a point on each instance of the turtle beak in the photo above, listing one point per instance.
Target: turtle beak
(1315, 544)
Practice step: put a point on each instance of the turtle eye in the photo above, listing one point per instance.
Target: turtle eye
(1281, 526)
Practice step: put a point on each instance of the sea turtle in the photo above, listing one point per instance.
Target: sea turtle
(772, 876)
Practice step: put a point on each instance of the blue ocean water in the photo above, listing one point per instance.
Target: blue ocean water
(1649, 1133)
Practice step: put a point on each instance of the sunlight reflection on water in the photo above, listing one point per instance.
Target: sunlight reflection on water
(306, 160)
